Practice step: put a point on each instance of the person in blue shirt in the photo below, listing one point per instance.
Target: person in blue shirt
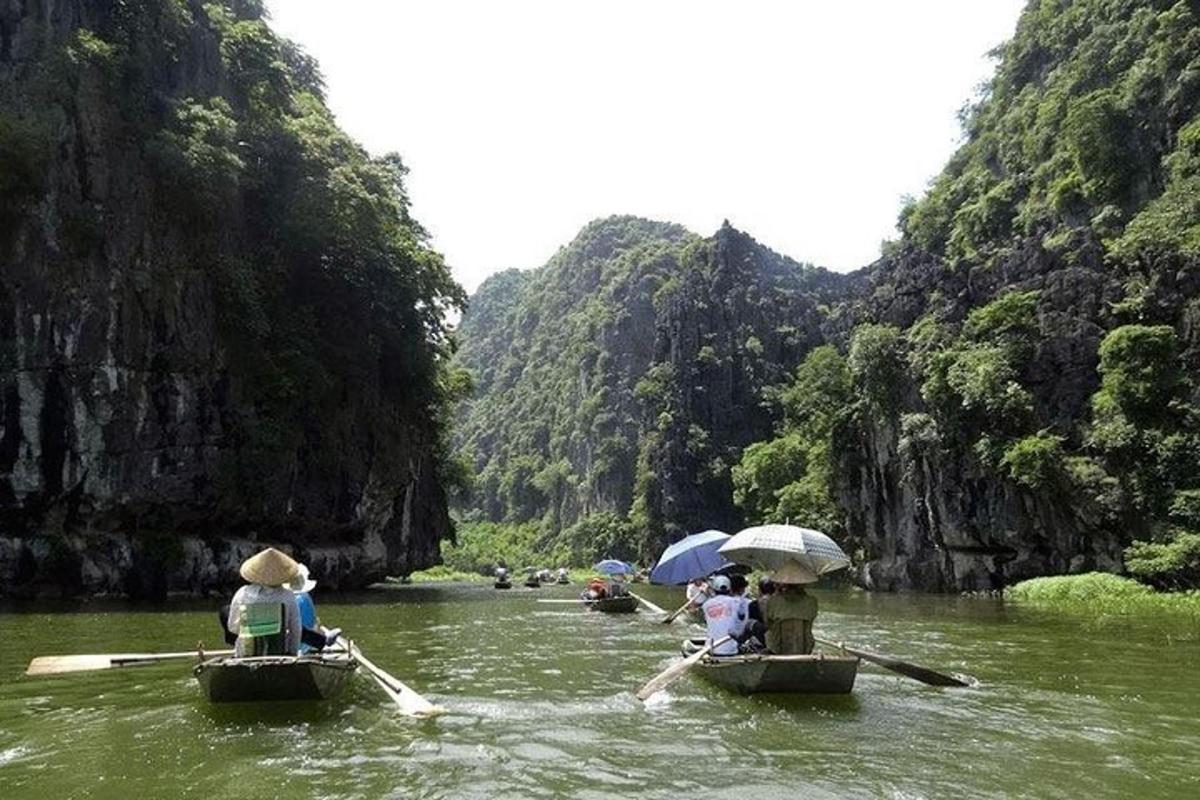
(313, 637)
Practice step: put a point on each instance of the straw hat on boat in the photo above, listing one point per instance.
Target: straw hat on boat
(269, 568)
(301, 583)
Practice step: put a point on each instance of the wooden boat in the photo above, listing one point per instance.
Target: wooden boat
(504, 584)
(273, 678)
(614, 605)
(532, 582)
(816, 673)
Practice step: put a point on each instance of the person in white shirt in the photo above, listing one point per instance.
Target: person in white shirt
(725, 615)
(265, 574)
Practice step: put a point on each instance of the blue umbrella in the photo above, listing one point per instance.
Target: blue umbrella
(691, 557)
(610, 566)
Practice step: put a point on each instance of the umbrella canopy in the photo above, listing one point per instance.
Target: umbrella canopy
(691, 557)
(610, 566)
(797, 555)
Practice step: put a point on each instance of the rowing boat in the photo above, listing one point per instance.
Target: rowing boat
(614, 605)
(273, 678)
(753, 673)
(504, 584)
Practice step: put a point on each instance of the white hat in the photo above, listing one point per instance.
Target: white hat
(794, 572)
(301, 583)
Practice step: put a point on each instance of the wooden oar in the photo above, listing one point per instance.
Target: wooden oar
(408, 701)
(653, 608)
(573, 602)
(914, 671)
(57, 665)
(676, 613)
(676, 671)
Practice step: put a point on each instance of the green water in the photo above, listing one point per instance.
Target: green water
(541, 706)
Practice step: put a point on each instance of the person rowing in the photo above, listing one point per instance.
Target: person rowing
(790, 612)
(725, 616)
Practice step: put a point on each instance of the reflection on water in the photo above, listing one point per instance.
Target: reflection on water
(542, 706)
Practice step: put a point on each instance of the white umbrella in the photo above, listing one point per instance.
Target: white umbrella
(796, 555)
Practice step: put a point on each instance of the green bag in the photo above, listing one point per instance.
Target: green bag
(260, 619)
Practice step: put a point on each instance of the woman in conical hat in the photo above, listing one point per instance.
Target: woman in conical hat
(264, 613)
(791, 611)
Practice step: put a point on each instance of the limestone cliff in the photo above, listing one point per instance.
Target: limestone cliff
(199, 352)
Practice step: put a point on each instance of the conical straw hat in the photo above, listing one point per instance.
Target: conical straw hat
(794, 572)
(269, 568)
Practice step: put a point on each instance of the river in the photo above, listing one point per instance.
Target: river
(541, 705)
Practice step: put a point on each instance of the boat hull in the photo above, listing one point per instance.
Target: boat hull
(274, 678)
(615, 605)
(816, 673)
(502, 584)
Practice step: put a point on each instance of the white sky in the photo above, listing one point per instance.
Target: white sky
(802, 122)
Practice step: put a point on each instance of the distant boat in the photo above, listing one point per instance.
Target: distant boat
(229, 679)
(613, 605)
(502, 583)
(753, 673)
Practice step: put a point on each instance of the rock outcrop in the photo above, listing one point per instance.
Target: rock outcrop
(139, 451)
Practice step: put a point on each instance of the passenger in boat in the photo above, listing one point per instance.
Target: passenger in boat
(597, 589)
(789, 616)
(312, 635)
(725, 615)
(697, 592)
(264, 613)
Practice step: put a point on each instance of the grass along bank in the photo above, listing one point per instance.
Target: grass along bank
(1103, 593)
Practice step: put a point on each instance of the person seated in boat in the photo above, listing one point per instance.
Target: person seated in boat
(617, 587)
(501, 575)
(790, 613)
(264, 613)
(312, 635)
(597, 589)
(697, 592)
(751, 638)
(725, 615)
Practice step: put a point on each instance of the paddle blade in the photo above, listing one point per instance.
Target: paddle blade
(914, 671)
(58, 665)
(676, 671)
(653, 608)
(909, 670)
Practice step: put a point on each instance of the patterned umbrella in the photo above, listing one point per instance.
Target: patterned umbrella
(691, 557)
(798, 555)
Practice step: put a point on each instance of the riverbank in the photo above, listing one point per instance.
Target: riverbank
(446, 574)
(1103, 593)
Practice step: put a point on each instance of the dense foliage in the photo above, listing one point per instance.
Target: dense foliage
(330, 301)
(1019, 361)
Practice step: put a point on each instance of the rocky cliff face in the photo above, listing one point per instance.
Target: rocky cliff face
(740, 320)
(626, 375)
(131, 403)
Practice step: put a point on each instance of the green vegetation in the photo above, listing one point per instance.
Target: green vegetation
(1085, 126)
(789, 477)
(1104, 594)
(1033, 333)
(331, 304)
(480, 547)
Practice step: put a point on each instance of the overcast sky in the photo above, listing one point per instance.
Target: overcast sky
(802, 122)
